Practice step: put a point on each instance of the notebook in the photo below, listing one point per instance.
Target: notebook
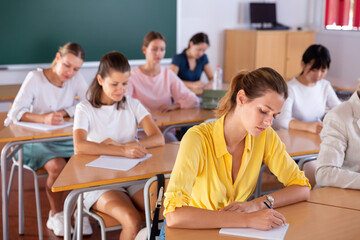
(116, 162)
(273, 234)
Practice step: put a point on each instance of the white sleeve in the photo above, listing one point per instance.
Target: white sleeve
(139, 110)
(81, 118)
(332, 99)
(23, 100)
(80, 91)
(329, 171)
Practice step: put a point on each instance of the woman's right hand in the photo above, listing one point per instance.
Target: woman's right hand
(265, 219)
(134, 151)
(54, 118)
(316, 127)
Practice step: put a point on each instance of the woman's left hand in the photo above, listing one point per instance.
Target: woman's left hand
(168, 107)
(241, 207)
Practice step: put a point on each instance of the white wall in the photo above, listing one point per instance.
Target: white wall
(215, 16)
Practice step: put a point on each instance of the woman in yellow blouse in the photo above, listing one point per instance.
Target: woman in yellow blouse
(218, 163)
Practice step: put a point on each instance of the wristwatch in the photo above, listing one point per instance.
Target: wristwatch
(270, 200)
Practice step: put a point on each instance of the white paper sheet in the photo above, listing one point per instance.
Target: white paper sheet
(44, 127)
(117, 163)
(273, 234)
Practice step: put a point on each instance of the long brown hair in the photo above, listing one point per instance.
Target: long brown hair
(73, 48)
(255, 84)
(112, 61)
(150, 36)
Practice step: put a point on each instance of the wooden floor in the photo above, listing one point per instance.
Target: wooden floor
(31, 232)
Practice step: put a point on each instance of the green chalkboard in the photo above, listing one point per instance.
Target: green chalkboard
(31, 31)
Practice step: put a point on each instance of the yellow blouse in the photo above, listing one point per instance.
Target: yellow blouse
(202, 173)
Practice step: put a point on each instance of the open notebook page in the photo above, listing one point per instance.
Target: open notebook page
(273, 234)
(117, 162)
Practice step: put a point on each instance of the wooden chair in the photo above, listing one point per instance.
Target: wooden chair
(150, 200)
(106, 222)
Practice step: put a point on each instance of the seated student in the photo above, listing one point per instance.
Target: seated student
(155, 85)
(106, 124)
(338, 163)
(190, 64)
(47, 96)
(218, 163)
(309, 93)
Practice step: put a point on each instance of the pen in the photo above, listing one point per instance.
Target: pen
(318, 119)
(137, 140)
(267, 205)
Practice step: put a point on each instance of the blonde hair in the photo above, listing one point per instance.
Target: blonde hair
(255, 84)
(70, 47)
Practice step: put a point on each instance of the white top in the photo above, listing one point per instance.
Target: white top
(108, 122)
(158, 90)
(306, 104)
(338, 163)
(37, 95)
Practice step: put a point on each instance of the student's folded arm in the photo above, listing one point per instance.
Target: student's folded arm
(282, 120)
(208, 71)
(154, 136)
(286, 170)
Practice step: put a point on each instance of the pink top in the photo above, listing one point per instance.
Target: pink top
(156, 91)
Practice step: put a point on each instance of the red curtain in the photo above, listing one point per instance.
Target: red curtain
(356, 16)
(337, 11)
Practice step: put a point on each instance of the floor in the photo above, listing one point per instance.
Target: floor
(31, 232)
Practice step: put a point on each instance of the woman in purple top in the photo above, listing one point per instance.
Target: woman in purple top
(190, 64)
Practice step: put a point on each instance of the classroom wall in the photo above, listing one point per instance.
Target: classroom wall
(214, 16)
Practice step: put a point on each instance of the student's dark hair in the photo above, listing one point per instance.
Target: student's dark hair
(255, 84)
(319, 54)
(199, 38)
(112, 61)
(150, 36)
(73, 48)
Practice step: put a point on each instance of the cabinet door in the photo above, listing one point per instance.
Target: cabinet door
(297, 43)
(270, 50)
(239, 52)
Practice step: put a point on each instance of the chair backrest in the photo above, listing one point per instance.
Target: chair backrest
(150, 198)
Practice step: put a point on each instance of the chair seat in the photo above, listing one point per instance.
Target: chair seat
(108, 220)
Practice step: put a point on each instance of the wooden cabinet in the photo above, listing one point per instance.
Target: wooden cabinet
(251, 49)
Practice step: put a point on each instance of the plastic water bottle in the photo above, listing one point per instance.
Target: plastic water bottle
(217, 81)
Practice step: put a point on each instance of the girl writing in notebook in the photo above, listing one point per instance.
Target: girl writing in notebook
(309, 93)
(48, 96)
(106, 124)
(192, 62)
(218, 163)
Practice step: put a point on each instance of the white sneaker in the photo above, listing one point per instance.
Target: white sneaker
(86, 228)
(56, 223)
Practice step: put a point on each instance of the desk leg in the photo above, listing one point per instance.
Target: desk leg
(4, 198)
(69, 205)
(79, 217)
(21, 192)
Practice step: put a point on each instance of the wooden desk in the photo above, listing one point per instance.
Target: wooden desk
(337, 197)
(299, 143)
(79, 178)
(307, 221)
(16, 136)
(8, 92)
(181, 117)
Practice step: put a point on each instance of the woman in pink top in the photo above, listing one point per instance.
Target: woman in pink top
(155, 85)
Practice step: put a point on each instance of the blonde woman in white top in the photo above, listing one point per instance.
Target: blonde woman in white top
(47, 96)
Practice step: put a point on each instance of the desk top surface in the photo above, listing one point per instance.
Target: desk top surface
(181, 116)
(8, 92)
(299, 143)
(338, 197)
(76, 175)
(307, 221)
(19, 133)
